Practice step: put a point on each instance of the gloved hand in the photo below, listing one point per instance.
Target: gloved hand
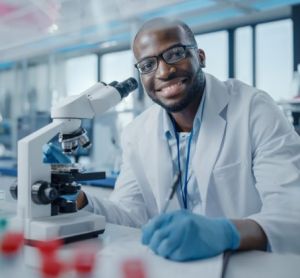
(182, 235)
(52, 154)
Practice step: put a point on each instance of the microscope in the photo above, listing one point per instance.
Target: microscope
(42, 190)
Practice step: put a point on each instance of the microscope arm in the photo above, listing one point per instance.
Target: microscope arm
(93, 101)
(31, 167)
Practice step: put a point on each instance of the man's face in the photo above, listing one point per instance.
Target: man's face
(173, 86)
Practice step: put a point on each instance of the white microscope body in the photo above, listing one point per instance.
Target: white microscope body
(37, 219)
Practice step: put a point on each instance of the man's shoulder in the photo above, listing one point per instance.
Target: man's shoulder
(246, 93)
(234, 88)
(238, 87)
(146, 120)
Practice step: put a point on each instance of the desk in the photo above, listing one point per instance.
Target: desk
(262, 265)
(119, 241)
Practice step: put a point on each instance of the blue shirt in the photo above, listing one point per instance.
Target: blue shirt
(193, 195)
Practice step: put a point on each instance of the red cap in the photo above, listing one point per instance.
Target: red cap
(51, 267)
(12, 242)
(84, 261)
(49, 247)
(133, 268)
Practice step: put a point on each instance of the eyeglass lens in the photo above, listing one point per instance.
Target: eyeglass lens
(170, 56)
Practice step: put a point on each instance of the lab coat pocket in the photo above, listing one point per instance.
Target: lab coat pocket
(226, 188)
(226, 172)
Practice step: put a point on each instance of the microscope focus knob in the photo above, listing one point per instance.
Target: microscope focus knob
(13, 189)
(51, 193)
(42, 193)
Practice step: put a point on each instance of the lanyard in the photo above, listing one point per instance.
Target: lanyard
(184, 186)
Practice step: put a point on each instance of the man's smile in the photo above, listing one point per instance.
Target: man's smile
(173, 87)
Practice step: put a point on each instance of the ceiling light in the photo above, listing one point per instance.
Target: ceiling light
(53, 28)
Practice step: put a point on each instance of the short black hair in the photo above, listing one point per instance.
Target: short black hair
(162, 22)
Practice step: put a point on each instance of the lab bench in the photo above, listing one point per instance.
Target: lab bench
(119, 243)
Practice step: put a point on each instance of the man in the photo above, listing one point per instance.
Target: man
(237, 156)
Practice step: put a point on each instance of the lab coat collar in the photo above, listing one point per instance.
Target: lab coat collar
(211, 133)
(158, 160)
(168, 130)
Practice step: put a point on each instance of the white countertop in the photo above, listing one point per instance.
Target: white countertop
(119, 242)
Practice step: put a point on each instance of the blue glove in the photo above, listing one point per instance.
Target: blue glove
(52, 154)
(182, 236)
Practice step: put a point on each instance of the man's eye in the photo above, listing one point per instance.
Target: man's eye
(174, 54)
(178, 53)
(147, 65)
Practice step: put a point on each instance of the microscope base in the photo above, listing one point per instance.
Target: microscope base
(67, 227)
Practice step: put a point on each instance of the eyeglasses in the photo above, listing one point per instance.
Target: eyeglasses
(169, 56)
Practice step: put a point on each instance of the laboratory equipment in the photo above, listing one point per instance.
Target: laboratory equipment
(295, 85)
(39, 185)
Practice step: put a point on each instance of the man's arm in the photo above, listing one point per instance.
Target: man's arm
(182, 235)
(252, 236)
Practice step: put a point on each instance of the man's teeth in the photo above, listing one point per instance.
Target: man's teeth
(172, 86)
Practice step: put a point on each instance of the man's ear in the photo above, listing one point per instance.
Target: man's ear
(201, 55)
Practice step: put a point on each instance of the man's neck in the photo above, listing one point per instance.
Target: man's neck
(184, 119)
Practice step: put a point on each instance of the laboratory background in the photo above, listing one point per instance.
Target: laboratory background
(52, 49)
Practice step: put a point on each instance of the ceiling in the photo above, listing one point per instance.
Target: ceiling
(31, 28)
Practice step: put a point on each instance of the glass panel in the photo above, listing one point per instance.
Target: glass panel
(81, 73)
(215, 46)
(274, 58)
(118, 66)
(7, 90)
(38, 96)
(243, 54)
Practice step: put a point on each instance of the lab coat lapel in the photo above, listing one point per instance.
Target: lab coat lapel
(211, 134)
(160, 171)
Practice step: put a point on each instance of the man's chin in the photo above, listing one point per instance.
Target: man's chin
(174, 107)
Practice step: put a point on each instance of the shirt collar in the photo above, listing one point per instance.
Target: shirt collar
(168, 129)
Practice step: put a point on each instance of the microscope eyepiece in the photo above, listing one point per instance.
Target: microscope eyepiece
(125, 87)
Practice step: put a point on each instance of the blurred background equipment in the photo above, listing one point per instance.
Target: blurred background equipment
(51, 49)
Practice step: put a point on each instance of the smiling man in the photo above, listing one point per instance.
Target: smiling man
(238, 158)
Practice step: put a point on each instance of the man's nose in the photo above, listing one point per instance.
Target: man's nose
(164, 70)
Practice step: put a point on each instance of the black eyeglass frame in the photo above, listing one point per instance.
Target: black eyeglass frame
(185, 47)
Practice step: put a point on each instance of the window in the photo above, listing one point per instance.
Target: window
(243, 55)
(38, 95)
(118, 66)
(274, 58)
(81, 73)
(7, 91)
(215, 46)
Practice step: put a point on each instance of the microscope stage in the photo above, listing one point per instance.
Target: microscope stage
(69, 227)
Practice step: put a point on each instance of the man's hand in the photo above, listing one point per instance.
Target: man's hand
(52, 154)
(182, 235)
(81, 200)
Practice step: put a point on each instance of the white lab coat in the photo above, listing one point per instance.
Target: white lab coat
(246, 162)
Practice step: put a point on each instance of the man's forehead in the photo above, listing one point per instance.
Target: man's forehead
(161, 31)
(159, 38)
